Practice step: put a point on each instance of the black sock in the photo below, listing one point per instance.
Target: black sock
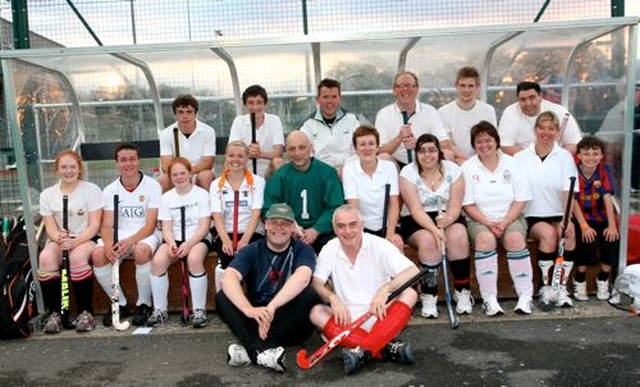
(52, 294)
(461, 271)
(580, 276)
(603, 276)
(83, 292)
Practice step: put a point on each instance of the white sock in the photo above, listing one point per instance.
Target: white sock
(199, 284)
(103, 276)
(160, 291)
(143, 272)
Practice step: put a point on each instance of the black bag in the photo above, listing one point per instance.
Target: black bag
(17, 300)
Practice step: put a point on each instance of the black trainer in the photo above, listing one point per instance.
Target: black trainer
(397, 351)
(140, 317)
(107, 318)
(354, 358)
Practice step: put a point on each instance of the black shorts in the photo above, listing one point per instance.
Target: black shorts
(408, 226)
(533, 220)
(589, 254)
(224, 259)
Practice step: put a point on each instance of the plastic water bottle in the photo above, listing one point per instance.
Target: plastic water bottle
(156, 172)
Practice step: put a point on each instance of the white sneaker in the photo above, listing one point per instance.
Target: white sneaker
(546, 294)
(524, 305)
(563, 297)
(464, 301)
(580, 291)
(603, 290)
(272, 358)
(429, 306)
(492, 307)
(238, 356)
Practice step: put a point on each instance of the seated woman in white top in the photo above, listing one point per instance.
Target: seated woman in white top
(548, 168)
(365, 181)
(236, 201)
(496, 192)
(429, 184)
(185, 215)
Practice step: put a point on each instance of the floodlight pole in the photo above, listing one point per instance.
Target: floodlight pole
(20, 15)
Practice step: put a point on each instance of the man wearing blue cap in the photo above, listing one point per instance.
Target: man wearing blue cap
(274, 311)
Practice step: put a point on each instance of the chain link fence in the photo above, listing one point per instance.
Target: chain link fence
(118, 22)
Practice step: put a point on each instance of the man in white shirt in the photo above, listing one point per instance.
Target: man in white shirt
(402, 122)
(330, 127)
(518, 120)
(464, 112)
(196, 140)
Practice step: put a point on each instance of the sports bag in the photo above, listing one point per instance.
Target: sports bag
(626, 290)
(17, 300)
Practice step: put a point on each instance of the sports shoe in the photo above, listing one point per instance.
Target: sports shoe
(53, 324)
(354, 358)
(492, 307)
(429, 306)
(237, 356)
(199, 318)
(141, 315)
(84, 322)
(107, 319)
(464, 301)
(545, 295)
(603, 290)
(580, 291)
(272, 358)
(524, 305)
(398, 352)
(158, 317)
(563, 297)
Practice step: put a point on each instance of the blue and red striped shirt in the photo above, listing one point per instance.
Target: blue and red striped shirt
(592, 191)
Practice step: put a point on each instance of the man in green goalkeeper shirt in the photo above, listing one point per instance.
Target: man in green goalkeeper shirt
(311, 187)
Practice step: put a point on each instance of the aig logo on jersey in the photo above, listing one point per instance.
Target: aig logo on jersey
(132, 212)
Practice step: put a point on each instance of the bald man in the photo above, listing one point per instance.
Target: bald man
(311, 187)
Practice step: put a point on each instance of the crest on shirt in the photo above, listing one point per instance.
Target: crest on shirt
(141, 198)
(506, 176)
(597, 183)
(476, 179)
(81, 212)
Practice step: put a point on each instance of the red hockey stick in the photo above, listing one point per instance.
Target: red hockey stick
(305, 362)
(185, 272)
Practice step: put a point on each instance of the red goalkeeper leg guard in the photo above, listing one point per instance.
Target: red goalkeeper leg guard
(355, 339)
(383, 331)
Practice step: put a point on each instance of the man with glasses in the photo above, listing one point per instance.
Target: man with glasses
(518, 120)
(402, 122)
(274, 310)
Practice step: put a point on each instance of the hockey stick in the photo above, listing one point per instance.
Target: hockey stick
(454, 322)
(385, 210)
(185, 272)
(305, 362)
(253, 140)
(115, 274)
(65, 285)
(558, 269)
(236, 203)
(176, 142)
(405, 120)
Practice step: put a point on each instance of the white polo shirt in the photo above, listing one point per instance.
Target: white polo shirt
(458, 123)
(196, 203)
(332, 145)
(201, 143)
(251, 198)
(426, 119)
(369, 190)
(133, 205)
(548, 179)
(517, 128)
(428, 198)
(377, 262)
(84, 199)
(493, 192)
(268, 135)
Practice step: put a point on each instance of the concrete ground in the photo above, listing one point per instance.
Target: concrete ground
(592, 344)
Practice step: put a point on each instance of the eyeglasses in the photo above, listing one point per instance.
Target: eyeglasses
(405, 85)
